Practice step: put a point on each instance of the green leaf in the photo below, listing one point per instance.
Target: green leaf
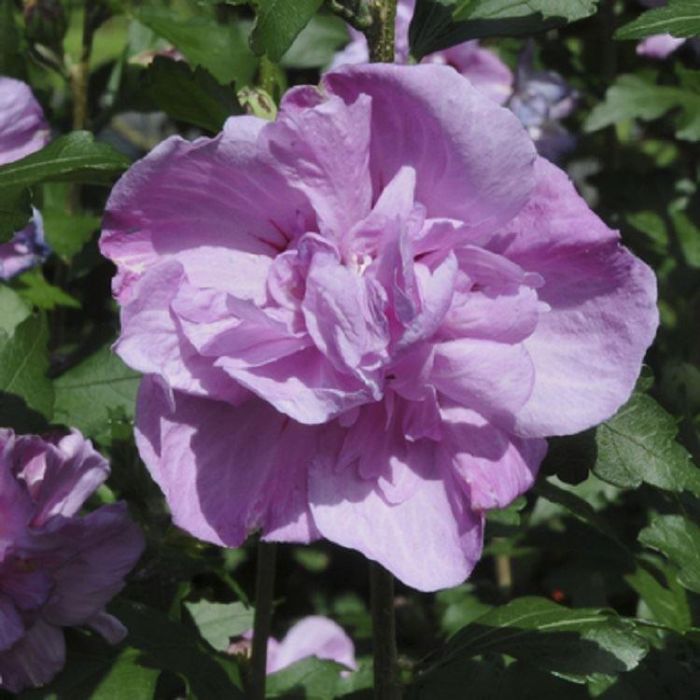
(91, 394)
(574, 644)
(663, 596)
(679, 539)
(219, 47)
(11, 57)
(13, 310)
(35, 288)
(638, 445)
(680, 18)
(317, 679)
(317, 43)
(66, 233)
(638, 97)
(98, 671)
(192, 96)
(277, 24)
(169, 645)
(439, 24)
(24, 361)
(75, 157)
(15, 211)
(218, 622)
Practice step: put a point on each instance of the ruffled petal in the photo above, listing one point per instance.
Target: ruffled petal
(194, 201)
(588, 349)
(430, 118)
(226, 470)
(429, 540)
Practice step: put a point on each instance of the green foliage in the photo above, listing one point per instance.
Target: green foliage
(314, 679)
(191, 96)
(220, 47)
(680, 18)
(278, 23)
(219, 622)
(639, 97)
(95, 392)
(439, 24)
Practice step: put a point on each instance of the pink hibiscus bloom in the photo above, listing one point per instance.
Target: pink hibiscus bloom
(23, 130)
(312, 636)
(57, 569)
(360, 321)
(482, 67)
(658, 46)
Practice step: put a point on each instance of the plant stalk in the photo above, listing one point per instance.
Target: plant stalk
(381, 34)
(264, 592)
(387, 684)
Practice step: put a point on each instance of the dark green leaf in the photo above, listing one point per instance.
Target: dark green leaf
(316, 679)
(99, 671)
(638, 445)
(439, 24)
(75, 157)
(218, 622)
(663, 596)
(278, 23)
(89, 395)
(574, 644)
(219, 47)
(66, 233)
(680, 18)
(317, 43)
(11, 58)
(171, 646)
(39, 292)
(15, 211)
(638, 97)
(191, 96)
(679, 539)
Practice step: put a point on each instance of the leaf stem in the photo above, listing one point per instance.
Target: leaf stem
(381, 33)
(264, 592)
(387, 685)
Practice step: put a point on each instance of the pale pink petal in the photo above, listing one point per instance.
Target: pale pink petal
(659, 45)
(23, 128)
(587, 351)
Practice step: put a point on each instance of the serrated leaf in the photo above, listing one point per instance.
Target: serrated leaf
(679, 539)
(91, 393)
(638, 445)
(278, 23)
(576, 644)
(38, 291)
(680, 18)
(192, 96)
(637, 97)
(219, 47)
(218, 622)
(24, 361)
(439, 24)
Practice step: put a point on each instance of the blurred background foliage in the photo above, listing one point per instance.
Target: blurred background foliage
(590, 585)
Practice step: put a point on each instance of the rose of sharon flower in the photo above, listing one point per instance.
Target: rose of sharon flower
(360, 321)
(23, 130)
(658, 46)
(312, 636)
(57, 569)
(482, 67)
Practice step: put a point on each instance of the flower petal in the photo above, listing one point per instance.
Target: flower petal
(430, 118)
(226, 470)
(23, 129)
(588, 350)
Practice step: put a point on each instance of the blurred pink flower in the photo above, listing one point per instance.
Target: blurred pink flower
(57, 569)
(659, 45)
(312, 636)
(361, 320)
(23, 130)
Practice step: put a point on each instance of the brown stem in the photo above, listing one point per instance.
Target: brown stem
(387, 685)
(381, 34)
(264, 592)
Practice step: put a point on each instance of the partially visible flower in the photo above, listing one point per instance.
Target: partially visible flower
(25, 250)
(23, 130)
(361, 320)
(57, 569)
(541, 99)
(658, 45)
(313, 636)
(481, 66)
